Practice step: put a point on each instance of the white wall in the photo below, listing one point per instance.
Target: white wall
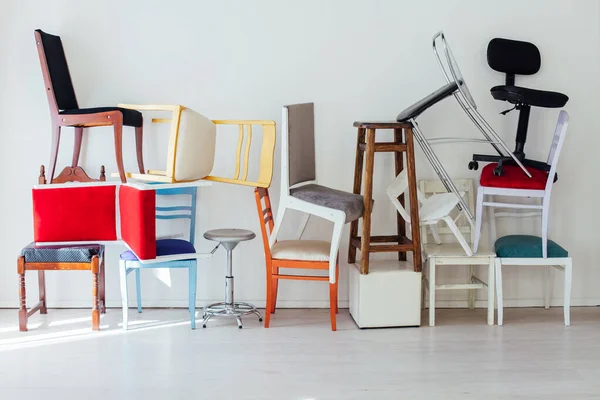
(240, 59)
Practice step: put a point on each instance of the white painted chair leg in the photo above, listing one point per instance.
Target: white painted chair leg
(492, 223)
(432, 291)
(547, 286)
(459, 236)
(124, 296)
(545, 216)
(490, 288)
(336, 238)
(498, 267)
(567, 300)
(478, 219)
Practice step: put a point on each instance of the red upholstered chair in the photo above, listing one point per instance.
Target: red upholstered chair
(76, 215)
(514, 183)
(65, 110)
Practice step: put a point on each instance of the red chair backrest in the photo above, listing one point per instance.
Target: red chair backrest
(137, 209)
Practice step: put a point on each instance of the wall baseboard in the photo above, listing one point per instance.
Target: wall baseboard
(321, 304)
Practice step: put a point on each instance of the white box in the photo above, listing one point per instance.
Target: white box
(388, 296)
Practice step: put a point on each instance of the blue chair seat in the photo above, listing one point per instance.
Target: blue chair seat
(61, 253)
(526, 246)
(165, 247)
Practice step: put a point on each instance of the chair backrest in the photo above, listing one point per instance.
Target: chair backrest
(557, 142)
(466, 186)
(81, 212)
(179, 211)
(59, 86)
(298, 145)
(137, 212)
(513, 57)
(191, 146)
(265, 217)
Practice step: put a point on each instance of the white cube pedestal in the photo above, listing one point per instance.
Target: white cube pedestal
(388, 296)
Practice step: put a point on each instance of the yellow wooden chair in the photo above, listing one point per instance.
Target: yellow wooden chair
(192, 143)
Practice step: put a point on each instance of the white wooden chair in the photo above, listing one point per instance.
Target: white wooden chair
(299, 188)
(515, 184)
(453, 254)
(525, 250)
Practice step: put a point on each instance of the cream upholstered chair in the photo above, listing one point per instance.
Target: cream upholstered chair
(292, 254)
(299, 188)
(192, 145)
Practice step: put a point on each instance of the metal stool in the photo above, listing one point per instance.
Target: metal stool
(229, 238)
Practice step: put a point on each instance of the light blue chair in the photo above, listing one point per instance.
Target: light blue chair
(129, 261)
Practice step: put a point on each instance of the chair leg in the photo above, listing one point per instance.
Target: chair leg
(192, 293)
(491, 288)
(53, 152)
(138, 289)
(337, 279)
(498, 267)
(23, 303)
(338, 226)
(95, 297)
(123, 283)
(274, 289)
(492, 222)
(269, 306)
(432, 291)
(102, 287)
(77, 146)
(139, 135)
(42, 292)
(567, 292)
(333, 288)
(545, 217)
(478, 219)
(118, 133)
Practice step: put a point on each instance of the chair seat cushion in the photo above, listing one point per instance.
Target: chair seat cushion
(164, 247)
(349, 203)
(130, 117)
(526, 246)
(513, 177)
(61, 253)
(431, 99)
(532, 97)
(301, 250)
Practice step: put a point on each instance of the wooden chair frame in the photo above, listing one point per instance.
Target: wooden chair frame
(81, 121)
(96, 265)
(245, 130)
(265, 214)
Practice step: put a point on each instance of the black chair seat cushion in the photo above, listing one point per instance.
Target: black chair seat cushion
(130, 117)
(350, 203)
(532, 97)
(416, 109)
(61, 253)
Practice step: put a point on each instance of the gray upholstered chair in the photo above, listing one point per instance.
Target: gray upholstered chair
(299, 188)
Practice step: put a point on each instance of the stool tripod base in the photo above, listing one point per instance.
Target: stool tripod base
(235, 310)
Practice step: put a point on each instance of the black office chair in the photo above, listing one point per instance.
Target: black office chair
(514, 57)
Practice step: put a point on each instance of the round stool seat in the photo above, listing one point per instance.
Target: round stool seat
(229, 235)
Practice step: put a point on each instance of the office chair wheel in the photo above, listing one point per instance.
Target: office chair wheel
(499, 171)
(473, 165)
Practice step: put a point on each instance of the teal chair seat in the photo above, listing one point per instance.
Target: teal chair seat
(526, 246)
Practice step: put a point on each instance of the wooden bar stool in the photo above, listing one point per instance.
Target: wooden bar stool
(366, 147)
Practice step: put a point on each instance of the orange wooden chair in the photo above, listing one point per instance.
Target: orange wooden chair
(299, 254)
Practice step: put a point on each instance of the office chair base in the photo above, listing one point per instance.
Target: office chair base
(229, 310)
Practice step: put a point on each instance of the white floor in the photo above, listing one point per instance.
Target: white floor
(532, 356)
